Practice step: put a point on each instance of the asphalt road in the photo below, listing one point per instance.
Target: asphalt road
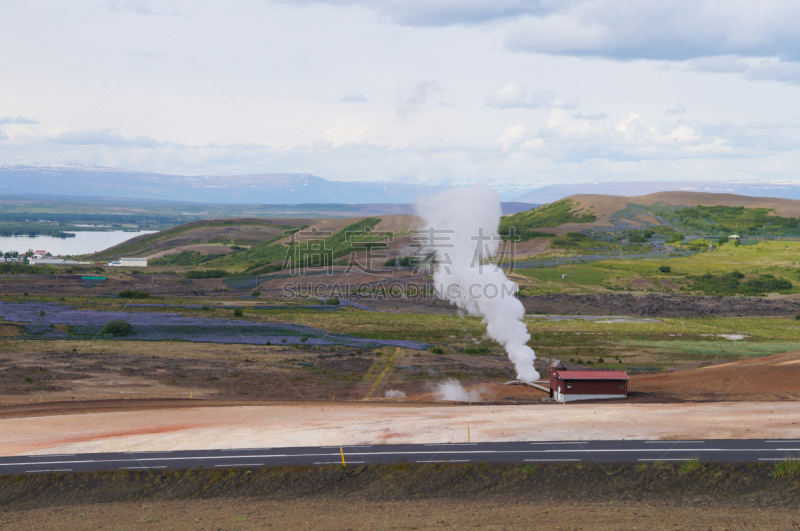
(719, 451)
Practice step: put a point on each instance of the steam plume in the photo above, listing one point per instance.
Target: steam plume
(464, 222)
(452, 389)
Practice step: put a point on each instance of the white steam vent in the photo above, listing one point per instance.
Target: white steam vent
(461, 228)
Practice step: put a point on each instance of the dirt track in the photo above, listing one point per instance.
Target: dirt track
(653, 305)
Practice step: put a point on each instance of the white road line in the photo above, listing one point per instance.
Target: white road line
(446, 461)
(48, 455)
(338, 462)
(776, 459)
(148, 452)
(141, 467)
(452, 444)
(690, 458)
(565, 442)
(50, 470)
(243, 449)
(784, 441)
(676, 442)
(549, 460)
(242, 464)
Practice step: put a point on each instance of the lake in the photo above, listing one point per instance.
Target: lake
(82, 243)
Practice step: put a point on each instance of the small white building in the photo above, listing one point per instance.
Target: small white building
(54, 261)
(129, 262)
(734, 237)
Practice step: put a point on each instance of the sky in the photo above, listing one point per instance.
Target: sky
(505, 92)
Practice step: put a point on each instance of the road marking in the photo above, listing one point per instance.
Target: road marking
(784, 441)
(550, 460)
(141, 467)
(446, 461)
(48, 455)
(452, 444)
(690, 458)
(242, 464)
(50, 470)
(565, 442)
(677, 442)
(337, 462)
(148, 452)
(776, 459)
(243, 449)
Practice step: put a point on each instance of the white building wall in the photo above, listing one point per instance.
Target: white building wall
(561, 397)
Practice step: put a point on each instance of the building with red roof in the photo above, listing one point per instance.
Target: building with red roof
(566, 385)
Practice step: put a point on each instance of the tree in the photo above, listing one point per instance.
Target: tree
(116, 328)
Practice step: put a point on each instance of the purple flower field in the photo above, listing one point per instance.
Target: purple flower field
(162, 326)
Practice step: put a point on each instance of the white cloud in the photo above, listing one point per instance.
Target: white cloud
(413, 102)
(269, 72)
(513, 96)
(354, 96)
(511, 136)
(17, 120)
(590, 116)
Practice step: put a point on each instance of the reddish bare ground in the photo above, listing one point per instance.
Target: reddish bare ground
(768, 379)
(328, 424)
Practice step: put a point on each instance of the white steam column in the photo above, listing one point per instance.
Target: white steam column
(461, 228)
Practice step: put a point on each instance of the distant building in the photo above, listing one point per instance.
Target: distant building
(54, 261)
(129, 262)
(567, 386)
(734, 237)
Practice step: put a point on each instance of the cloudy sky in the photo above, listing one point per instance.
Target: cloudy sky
(511, 92)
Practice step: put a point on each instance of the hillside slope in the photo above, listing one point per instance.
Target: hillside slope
(221, 233)
(604, 206)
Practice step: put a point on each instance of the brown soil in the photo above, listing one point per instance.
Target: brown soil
(329, 513)
(51, 372)
(407, 497)
(766, 379)
(653, 305)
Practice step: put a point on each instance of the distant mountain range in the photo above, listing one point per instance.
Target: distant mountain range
(295, 189)
(281, 188)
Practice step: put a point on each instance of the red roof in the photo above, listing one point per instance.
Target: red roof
(592, 375)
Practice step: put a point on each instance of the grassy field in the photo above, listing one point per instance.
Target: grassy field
(665, 342)
(767, 257)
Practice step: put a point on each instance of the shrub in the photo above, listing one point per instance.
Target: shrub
(41, 313)
(116, 328)
(665, 269)
(210, 273)
(404, 261)
(238, 312)
(333, 301)
(689, 466)
(437, 350)
(255, 293)
(601, 360)
(787, 468)
(133, 294)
